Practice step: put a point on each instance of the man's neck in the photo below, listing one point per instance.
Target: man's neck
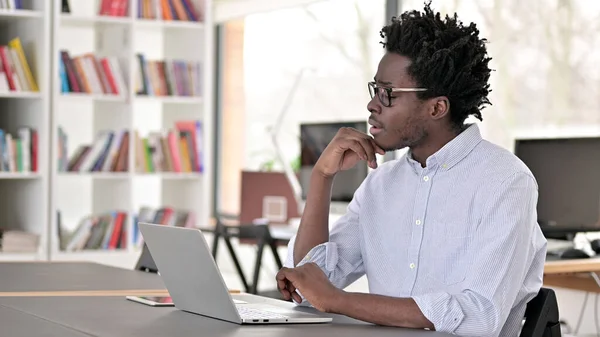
(433, 144)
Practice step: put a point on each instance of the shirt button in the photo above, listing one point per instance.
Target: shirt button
(426, 178)
(412, 266)
(445, 165)
(418, 222)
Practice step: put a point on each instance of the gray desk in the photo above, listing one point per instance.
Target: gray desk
(72, 276)
(117, 317)
(14, 323)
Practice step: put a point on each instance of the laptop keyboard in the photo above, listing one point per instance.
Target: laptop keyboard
(250, 313)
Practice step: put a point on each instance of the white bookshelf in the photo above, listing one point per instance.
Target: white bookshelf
(24, 204)
(81, 116)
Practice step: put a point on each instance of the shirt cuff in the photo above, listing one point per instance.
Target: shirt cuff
(324, 255)
(441, 309)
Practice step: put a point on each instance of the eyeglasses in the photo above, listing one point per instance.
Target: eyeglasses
(385, 93)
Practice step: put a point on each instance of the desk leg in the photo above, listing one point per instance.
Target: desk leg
(275, 254)
(596, 278)
(215, 244)
(257, 265)
(236, 262)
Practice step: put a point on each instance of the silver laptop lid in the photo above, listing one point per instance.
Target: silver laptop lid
(189, 271)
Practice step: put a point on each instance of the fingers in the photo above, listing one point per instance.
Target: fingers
(368, 146)
(364, 149)
(286, 286)
(291, 289)
(281, 275)
(356, 147)
(296, 297)
(356, 139)
(282, 286)
(377, 148)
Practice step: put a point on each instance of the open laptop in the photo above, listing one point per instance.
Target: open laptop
(196, 285)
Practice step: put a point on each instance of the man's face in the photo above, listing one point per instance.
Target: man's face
(404, 122)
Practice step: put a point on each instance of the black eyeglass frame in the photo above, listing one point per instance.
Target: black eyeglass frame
(374, 89)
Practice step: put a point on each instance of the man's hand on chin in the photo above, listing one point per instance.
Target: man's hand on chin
(312, 283)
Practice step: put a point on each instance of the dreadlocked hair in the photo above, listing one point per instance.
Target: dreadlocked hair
(448, 59)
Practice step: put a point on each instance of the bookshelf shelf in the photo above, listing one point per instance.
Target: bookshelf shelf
(19, 14)
(170, 99)
(19, 257)
(172, 175)
(21, 94)
(75, 20)
(95, 175)
(92, 97)
(19, 175)
(173, 24)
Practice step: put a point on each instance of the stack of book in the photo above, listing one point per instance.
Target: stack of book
(167, 216)
(175, 150)
(92, 75)
(15, 74)
(15, 241)
(107, 231)
(108, 153)
(168, 10)
(19, 154)
(167, 78)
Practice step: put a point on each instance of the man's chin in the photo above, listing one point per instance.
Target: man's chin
(389, 147)
(384, 145)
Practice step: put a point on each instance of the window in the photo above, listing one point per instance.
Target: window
(318, 56)
(546, 80)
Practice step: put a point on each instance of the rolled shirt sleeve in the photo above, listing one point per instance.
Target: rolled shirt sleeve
(498, 267)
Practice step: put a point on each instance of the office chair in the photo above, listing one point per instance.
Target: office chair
(541, 316)
(228, 227)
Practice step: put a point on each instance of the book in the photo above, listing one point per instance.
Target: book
(16, 241)
(108, 153)
(102, 231)
(118, 8)
(11, 4)
(178, 149)
(167, 77)
(19, 152)
(165, 215)
(169, 10)
(14, 68)
(65, 7)
(90, 74)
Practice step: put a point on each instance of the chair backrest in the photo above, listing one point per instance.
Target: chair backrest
(541, 316)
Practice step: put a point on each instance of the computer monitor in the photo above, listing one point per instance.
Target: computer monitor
(568, 174)
(314, 138)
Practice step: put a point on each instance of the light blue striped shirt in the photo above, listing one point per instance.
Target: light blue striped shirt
(459, 236)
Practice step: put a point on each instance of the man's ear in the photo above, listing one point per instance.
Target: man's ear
(440, 107)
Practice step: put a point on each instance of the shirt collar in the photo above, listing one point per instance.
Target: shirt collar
(455, 150)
